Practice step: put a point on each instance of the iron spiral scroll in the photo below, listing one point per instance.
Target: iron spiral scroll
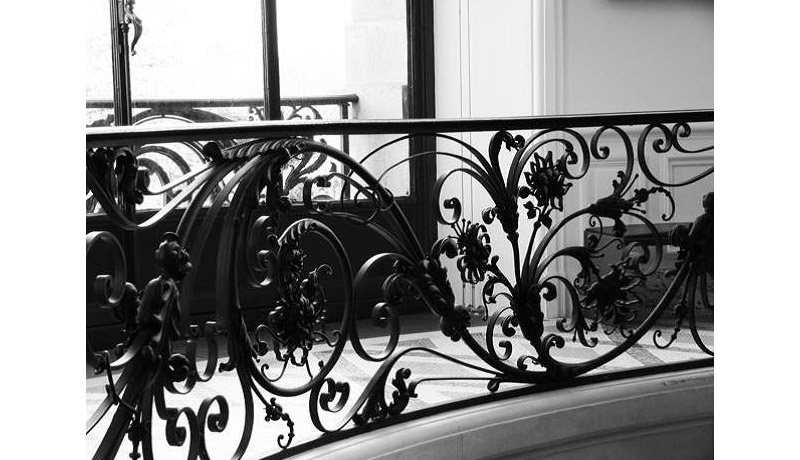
(238, 182)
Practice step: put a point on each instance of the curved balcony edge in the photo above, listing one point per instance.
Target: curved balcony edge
(659, 416)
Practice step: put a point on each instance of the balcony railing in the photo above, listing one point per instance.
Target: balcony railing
(169, 161)
(196, 110)
(584, 215)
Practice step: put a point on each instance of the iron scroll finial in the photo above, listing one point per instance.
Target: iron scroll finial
(129, 17)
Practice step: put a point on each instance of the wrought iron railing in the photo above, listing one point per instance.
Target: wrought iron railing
(204, 110)
(290, 362)
(168, 161)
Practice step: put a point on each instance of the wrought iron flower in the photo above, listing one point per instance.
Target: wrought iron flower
(292, 324)
(547, 183)
(473, 245)
(292, 262)
(610, 296)
(298, 318)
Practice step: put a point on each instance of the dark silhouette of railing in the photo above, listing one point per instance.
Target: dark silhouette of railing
(293, 108)
(235, 205)
(169, 160)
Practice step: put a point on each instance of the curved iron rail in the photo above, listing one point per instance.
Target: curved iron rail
(542, 171)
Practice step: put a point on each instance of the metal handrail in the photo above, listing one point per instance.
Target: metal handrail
(228, 102)
(122, 135)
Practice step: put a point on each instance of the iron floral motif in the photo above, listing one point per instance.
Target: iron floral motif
(298, 319)
(547, 185)
(611, 297)
(474, 250)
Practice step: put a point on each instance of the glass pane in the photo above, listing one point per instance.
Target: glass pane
(197, 61)
(353, 52)
(340, 47)
(99, 74)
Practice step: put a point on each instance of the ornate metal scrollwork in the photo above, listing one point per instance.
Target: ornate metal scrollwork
(696, 244)
(244, 181)
(163, 169)
(113, 172)
(128, 16)
(149, 365)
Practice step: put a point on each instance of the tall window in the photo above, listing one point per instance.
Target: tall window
(202, 61)
(173, 61)
(199, 61)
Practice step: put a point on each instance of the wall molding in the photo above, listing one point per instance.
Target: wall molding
(547, 62)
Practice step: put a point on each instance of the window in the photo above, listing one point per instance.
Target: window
(179, 61)
(188, 69)
(205, 60)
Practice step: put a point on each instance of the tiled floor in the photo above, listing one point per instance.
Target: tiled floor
(416, 331)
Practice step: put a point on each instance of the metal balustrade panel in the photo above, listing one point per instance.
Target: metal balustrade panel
(307, 289)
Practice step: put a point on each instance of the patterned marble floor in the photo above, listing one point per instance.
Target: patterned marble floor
(416, 331)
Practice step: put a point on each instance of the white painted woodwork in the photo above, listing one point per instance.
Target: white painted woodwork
(547, 57)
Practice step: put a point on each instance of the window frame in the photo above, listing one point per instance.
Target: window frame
(419, 103)
(419, 26)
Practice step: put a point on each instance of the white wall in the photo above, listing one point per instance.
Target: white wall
(627, 55)
(483, 69)
(548, 57)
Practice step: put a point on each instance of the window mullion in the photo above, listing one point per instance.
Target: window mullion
(123, 114)
(121, 64)
(272, 87)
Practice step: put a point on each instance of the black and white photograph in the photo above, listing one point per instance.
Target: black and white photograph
(399, 229)
(407, 229)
